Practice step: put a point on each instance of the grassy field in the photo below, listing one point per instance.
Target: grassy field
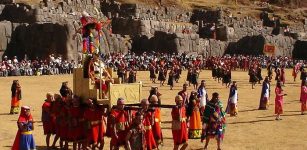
(251, 130)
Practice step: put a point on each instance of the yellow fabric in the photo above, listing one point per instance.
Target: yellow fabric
(27, 132)
(147, 127)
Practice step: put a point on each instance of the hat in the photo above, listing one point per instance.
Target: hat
(120, 101)
(26, 107)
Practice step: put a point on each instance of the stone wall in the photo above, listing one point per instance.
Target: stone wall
(145, 12)
(135, 27)
(62, 17)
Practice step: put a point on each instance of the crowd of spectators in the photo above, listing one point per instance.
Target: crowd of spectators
(57, 65)
(52, 66)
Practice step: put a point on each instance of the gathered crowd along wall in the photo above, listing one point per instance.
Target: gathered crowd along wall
(134, 27)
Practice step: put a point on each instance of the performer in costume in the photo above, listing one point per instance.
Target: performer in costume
(65, 91)
(193, 115)
(162, 75)
(135, 139)
(16, 97)
(303, 97)
(214, 121)
(232, 105)
(252, 76)
(24, 139)
(295, 71)
(265, 94)
(148, 122)
(279, 100)
(170, 81)
(64, 121)
(179, 124)
(95, 131)
(202, 95)
(152, 70)
(156, 128)
(98, 74)
(48, 119)
(184, 94)
(119, 125)
(55, 112)
(76, 131)
(154, 91)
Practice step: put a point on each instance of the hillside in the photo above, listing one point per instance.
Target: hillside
(241, 8)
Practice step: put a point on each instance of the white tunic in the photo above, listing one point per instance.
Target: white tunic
(267, 91)
(203, 98)
(234, 98)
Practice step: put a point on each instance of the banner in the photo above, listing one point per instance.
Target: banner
(269, 49)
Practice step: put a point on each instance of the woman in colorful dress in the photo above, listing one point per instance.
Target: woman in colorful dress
(303, 97)
(16, 97)
(232, 107)
(179, 124)
(279, 100)
(24, 139)
(214, 121)
(193, 115)
(265, 94)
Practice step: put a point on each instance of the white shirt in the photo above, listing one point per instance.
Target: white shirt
(203, 98)
(267, 91)
(234, 98)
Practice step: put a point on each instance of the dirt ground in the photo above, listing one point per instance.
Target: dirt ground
(251, 130)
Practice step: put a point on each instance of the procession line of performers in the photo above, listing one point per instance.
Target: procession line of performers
(85, 123)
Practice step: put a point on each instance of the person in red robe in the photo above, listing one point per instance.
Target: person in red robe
(55, 112)
(64, 122)
(48, 119)
(120, 124)
(184, 94)
(156, 128)
(95, 132)
(179, 124)
(76, 123)
(148, 122)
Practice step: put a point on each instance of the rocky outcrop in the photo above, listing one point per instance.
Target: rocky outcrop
(52, 27)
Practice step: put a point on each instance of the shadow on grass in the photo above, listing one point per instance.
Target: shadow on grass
(248, 110)
(253, 121)
(282, 115)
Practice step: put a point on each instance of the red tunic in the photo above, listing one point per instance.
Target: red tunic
(63, 118)
(95, 125)
(150, 140)
(156, 128)
(76, 129)
(122, 126)
(179, 125)
(48, 119)
(55, 111)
